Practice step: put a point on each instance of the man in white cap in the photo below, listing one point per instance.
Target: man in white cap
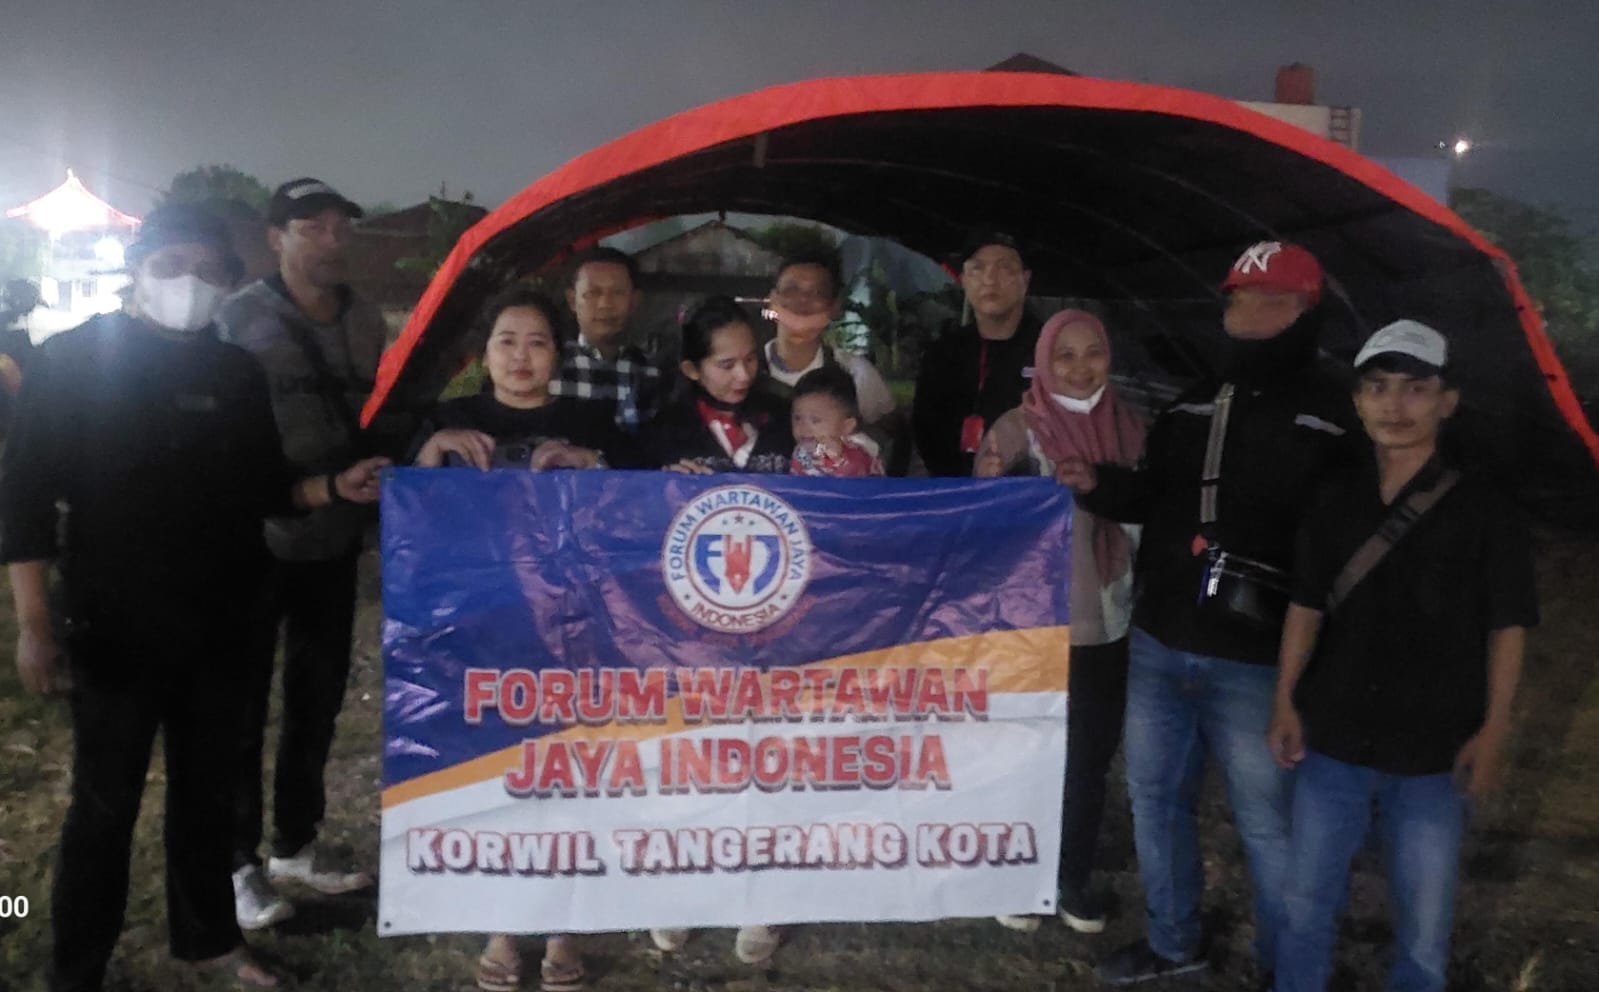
(1413, 589)
(319, 344)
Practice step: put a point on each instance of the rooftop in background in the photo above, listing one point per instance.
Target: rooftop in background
(71, 207)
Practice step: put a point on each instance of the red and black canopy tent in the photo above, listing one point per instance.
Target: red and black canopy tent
(1126, 193)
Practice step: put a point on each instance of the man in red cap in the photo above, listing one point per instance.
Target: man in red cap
(1228, 469)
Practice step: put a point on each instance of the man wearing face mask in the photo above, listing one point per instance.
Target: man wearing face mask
(160, 441)
(319, 345)
(1228, 470)
(803, 302)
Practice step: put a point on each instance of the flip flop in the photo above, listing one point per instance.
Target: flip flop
(494, 975)
(561, 976)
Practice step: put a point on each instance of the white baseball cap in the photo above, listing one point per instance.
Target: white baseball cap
(1411, 339)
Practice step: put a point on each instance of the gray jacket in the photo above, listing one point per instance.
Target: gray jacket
(316, 413)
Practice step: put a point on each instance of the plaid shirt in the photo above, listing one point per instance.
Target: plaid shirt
(630, 384)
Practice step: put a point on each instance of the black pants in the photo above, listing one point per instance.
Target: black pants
(314, 604)
(122, 693)
(1095, 707)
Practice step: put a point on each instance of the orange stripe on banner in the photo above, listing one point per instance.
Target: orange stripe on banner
(1032, 660)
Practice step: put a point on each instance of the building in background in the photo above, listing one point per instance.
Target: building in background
(82, 272)
(1294, 102)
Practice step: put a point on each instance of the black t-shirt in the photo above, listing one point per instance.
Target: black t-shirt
(167, 457)
(517, 432)
(963, 373)
(1399, 677)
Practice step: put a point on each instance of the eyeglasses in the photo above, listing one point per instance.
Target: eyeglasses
(204, 264)
(794, 294)
(1003, 271)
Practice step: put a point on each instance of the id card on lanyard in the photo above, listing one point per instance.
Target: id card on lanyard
(972, 426)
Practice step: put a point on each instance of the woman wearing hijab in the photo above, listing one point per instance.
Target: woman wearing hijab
(1071, 412)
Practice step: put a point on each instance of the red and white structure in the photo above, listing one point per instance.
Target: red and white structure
(83, 271)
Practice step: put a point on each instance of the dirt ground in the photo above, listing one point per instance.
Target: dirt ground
(1528, 917)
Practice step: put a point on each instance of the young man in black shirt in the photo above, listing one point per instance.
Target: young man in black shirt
(1396, 678)
(977, 371)
(160, 441)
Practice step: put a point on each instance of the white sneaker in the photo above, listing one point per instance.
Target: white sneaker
(311, 870)
(670, 939)
(255, 902)
(1022, 924)
(755, 945)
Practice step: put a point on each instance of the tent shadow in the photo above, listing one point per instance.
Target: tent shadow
(323, 915)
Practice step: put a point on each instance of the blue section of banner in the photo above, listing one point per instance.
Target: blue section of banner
(509, 569)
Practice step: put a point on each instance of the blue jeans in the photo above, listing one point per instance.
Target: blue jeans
(1420, 820)
(1179, 706)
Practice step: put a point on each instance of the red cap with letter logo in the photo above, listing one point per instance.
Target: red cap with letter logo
(1276, 265)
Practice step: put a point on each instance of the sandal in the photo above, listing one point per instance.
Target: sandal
(561, 976)
(756, 945)
(494, 975)
(246, 970)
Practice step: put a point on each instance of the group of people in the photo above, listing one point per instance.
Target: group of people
(1284, 575)
(1333, 615)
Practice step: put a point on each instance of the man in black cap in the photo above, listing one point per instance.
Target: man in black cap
(978, 370)
(319, 345)
(160, 441)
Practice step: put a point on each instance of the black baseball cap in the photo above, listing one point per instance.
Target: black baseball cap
(979, 239)
(183, 224)
(298, 199)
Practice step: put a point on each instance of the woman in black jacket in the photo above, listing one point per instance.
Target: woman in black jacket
(721, 421)
(515, 422)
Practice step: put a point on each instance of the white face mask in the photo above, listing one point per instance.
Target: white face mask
(183, 304)
(1080, 406)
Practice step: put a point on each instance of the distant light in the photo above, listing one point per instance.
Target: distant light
(109, 251)
(1461, 147)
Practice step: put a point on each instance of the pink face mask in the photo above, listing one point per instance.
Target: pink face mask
(794, 323)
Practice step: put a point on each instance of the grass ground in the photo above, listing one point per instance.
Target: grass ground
(1528, 917)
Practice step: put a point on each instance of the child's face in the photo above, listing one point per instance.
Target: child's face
(819, 417)
(1403, 411)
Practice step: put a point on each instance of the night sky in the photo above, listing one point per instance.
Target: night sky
(388, 98)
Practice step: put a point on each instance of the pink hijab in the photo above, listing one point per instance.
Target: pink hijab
(1111, 432)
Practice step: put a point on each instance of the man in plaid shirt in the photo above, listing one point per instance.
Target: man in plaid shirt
(597, 366)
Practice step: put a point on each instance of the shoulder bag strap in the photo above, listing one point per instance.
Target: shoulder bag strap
(333, 393)
(1210, 475)
(1395, 526)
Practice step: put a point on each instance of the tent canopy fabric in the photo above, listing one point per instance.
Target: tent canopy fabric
(1139, 196)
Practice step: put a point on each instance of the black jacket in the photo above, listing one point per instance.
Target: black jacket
(167, 457)
(1292, 420)
(961, 374)
(585, 423)
(678, 433)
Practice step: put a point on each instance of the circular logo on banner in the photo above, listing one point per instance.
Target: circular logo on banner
(736, 559)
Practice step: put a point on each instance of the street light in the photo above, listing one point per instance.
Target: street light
(1458, 148)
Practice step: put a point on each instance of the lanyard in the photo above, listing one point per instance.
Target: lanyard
(982, 372)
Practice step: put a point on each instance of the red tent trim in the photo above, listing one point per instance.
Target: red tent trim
(780, 106)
